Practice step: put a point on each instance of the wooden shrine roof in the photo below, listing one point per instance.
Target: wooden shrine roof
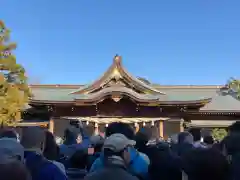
(116, 80)
(178, 93)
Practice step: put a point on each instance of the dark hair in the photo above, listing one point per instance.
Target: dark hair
(208, 140)
(163, 165)
(51, 149)
(207, 164)
(196, 133)
(69, 137)
(119, 127)
(98, 147)
(13, 171)
(79, 159)
(8, 133)
(234, 128)
(182, 136)
(141, 139)
(231, 143)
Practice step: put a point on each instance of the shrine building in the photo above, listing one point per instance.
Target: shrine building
(118, 96)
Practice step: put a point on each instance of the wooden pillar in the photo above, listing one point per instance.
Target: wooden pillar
(51, 125)
(160, 128)
(136, 125)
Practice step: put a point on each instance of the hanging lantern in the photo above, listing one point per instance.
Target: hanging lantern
(136, 124)
(144, 124)
(152, 124)
(106, 125)
(96, 125)
(87, 123)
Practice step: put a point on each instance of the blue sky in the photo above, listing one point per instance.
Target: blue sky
(166, 41)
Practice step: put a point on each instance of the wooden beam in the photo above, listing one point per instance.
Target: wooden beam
(51, 125)
(160, 127)
(181, 125)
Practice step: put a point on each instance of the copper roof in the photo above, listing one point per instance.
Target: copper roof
(128, 85)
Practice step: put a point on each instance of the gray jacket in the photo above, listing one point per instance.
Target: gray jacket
(114, 169)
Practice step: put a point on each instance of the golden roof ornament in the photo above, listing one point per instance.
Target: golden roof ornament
(117, 58)
(116, 74)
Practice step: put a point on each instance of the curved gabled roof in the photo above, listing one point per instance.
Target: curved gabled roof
(117, 71)
(61, 94)
(121, 91)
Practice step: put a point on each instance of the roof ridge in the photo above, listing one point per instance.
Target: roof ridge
(154, 85)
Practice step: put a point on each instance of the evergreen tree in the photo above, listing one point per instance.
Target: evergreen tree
(14, 91)
(219, 133)
(234, 86)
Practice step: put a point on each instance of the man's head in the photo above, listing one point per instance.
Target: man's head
(142, 136)
(196, 133)
(231, 144)
(33, 138)
(185, 137)
(234, 128)
(9, 133)
(79, 159)
(72, 136)
(208, 140)
(10, 151)
(97, 142)
(207, 164)
(14, 170)
(118, 145)
(119, 127)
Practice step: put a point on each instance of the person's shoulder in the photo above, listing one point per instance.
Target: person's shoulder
(131, 177)
(145, 157)
(96, 164)
(141, 158)
(52, 170)
(126, 175)
(60, 166)
(105, 173)
(62, 146)
(93, 175)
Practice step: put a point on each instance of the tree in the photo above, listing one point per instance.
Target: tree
(219, 133)
(234, 86)
(14, 91)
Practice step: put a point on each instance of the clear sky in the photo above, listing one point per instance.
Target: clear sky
(166, 41)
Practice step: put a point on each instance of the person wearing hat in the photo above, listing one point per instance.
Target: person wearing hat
(12, 160)
(116, 149)
(10, 151)
(33, 141)
(138, 165)
(94, 152)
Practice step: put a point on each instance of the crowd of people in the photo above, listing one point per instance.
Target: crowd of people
(121, 155)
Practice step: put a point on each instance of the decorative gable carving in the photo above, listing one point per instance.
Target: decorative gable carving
(117, 76)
